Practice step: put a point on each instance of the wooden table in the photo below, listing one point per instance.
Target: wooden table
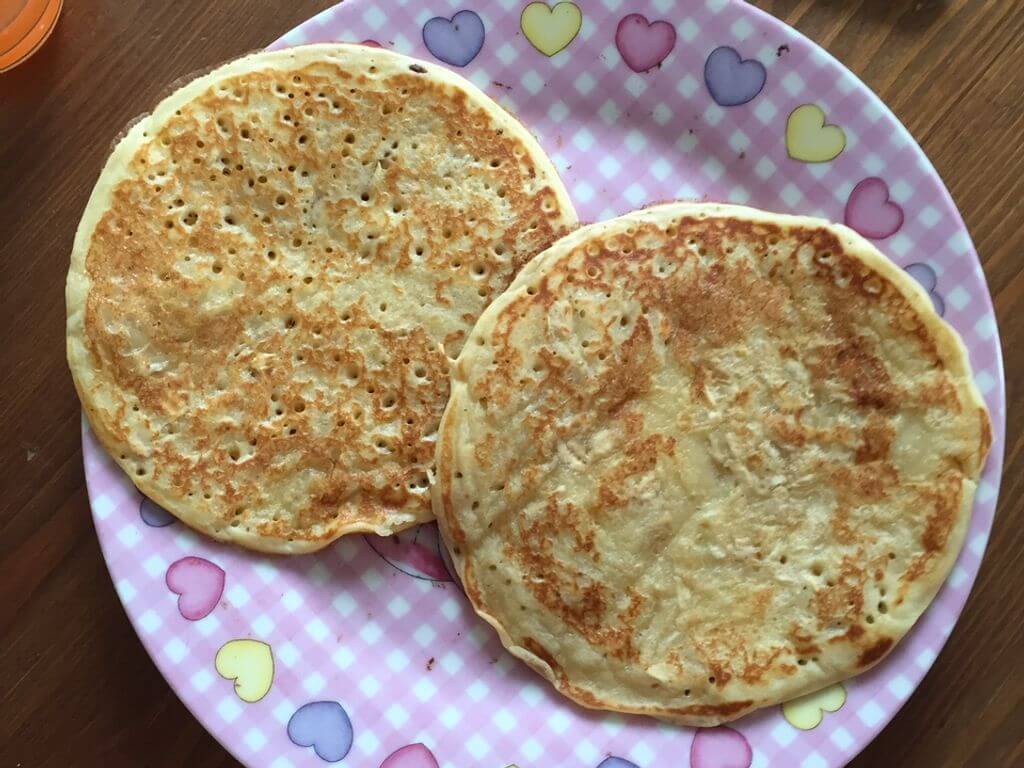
(76, 687)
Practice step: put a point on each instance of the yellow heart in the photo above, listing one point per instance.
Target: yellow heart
(250, 664)
(807, 711)
(810, 139)
(549, 30)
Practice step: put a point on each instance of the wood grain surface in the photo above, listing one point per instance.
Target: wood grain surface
(76, 686)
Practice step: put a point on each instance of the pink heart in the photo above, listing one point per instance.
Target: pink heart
(643, 44)
(720, 747)
(415, 552)
(870, 211)
(198, 584)
(411, 756)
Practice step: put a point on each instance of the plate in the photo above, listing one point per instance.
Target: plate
(368, 652)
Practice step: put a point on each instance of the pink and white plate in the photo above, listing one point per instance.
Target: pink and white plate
(368, 654)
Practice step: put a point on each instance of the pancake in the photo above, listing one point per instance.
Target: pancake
(272, 273)
(701, 459)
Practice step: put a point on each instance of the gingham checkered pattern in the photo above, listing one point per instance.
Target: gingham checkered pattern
(346, 626)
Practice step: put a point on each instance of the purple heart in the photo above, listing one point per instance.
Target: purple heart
(153, 514)
(732, 80)
(198, 584)
(926, 276)
(454, 41)
(616, 762)
(324, 726)
(720, 747)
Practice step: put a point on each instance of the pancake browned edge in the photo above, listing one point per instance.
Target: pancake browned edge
(702, 459)
(272, 274)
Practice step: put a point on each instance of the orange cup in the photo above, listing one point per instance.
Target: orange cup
(24, 27)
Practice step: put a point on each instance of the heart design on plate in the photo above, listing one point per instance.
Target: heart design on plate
(926, 276)
(616, 762)
(548, 29)
(250, 663)
(198, 584)
(810, 139)
(870, 211)
(731, 79)
(415, 552)
(644, 44)
(720, 747)
(454, 41)
(324, 726)
(808, 711)
(153, 514)
(410, 756)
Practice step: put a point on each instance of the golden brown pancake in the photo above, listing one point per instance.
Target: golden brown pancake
(702, 459)
(272, 273)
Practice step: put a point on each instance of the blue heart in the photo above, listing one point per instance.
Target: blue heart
(324, 726)
(732, 80)
(153, 514)
(926, 276)
(454, 41)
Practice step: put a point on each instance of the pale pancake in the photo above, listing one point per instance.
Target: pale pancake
(702, 459)
(272, 272)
